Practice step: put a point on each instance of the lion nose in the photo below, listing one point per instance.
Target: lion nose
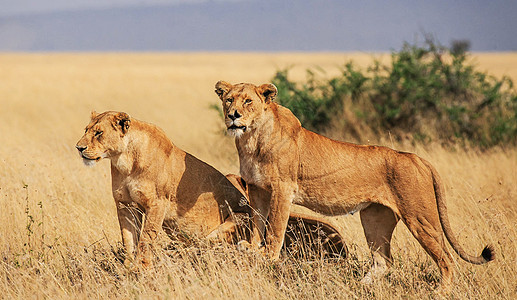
(80, 148)
(235, 115)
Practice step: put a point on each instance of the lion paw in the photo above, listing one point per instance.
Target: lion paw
(374, 274)
(244, 246)
(367, 279)
(138, 264)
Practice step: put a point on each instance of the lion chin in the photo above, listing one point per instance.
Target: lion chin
(236, 132)
(89, 162)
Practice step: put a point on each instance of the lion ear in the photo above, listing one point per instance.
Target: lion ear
(269, 92)
(221, 88)
(123, 120)
(93, 114)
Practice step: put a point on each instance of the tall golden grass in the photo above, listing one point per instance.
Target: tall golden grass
(59, 233)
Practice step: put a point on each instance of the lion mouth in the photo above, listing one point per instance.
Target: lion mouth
(90, 159)
(235, 127)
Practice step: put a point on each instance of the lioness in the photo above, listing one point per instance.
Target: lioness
(284, 163)
(153, 177)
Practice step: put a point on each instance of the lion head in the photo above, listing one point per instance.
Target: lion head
(103, 137)
(243, 104)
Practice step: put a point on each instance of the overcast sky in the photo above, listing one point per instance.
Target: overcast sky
(252, 25)
(15, 7)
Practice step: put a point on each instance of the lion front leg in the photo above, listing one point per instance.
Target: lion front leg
(259, 201)
(130, 221)
(154, 217)
(281, 200)
(155, 209)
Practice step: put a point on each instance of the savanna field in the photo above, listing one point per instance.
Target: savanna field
(59, 233)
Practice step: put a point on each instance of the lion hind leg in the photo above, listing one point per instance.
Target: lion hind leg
(430, 236)
(378, 223)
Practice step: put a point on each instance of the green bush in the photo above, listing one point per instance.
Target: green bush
(429, 92)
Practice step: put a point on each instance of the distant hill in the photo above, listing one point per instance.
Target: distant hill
(327, 25)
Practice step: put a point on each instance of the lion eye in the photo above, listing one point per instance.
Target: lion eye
(248, 101)
(98, 133)
(229, 100)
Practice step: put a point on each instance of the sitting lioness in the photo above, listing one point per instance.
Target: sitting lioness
(285, 164)
(152, 177)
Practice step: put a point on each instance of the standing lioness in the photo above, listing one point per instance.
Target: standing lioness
(284, 163)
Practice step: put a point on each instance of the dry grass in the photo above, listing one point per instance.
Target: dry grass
(59, 233)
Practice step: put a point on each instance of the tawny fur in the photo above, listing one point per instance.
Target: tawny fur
(152, 177)
(308, 231)
(285, 164)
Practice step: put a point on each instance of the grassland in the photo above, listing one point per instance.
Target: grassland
(59, 230)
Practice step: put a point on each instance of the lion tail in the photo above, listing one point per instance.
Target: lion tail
(487, 254)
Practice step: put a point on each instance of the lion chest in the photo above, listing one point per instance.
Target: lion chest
(252, 171)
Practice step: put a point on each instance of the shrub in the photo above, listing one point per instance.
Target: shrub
(429, 92)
